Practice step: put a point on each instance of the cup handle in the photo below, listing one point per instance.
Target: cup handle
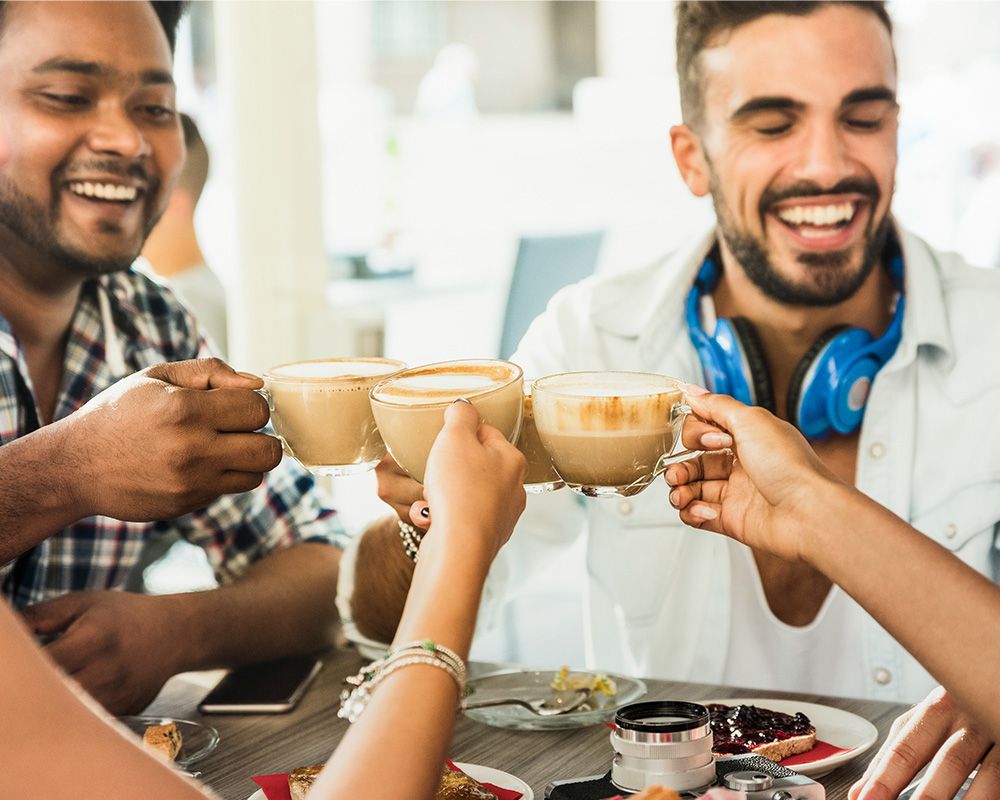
(263, 392)
(682, 411)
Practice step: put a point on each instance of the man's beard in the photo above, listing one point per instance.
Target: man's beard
(29, 221)
(832, 279)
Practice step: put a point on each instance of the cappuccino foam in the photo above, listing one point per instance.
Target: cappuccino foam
(444, 383)
(333, 369)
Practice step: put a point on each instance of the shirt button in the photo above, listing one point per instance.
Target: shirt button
(877, 450)
(882, 676)
(951, 529)
(625, 508)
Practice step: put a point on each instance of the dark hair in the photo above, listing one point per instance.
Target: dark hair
(169, 12)
(699, 20)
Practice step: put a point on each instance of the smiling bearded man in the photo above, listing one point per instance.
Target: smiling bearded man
(105, 446)
(806, 298)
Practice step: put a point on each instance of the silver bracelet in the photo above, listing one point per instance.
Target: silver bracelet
(425, 647)
(353, 701)
(411, 536)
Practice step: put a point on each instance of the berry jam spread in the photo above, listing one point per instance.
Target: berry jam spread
(739, 729)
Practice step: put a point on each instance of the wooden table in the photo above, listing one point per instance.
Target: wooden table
(261, 744)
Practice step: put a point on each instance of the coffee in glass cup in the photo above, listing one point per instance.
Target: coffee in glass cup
(321, 413)
(541, 476)
(409, 406)
(609, 433)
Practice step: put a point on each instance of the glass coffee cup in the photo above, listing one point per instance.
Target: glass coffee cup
(541, 475)
(409, 406)
(321, 413)
(610, 433)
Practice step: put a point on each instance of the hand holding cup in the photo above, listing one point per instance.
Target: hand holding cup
(756, 485)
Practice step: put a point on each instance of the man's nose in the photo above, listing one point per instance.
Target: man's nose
(116, 133)
(824, 158)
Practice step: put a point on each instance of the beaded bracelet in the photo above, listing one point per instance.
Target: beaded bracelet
(411, 536)
(353, 701)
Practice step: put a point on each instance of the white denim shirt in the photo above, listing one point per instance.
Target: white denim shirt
(658, 598)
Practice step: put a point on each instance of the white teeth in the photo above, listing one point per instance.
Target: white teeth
(104, 191)
(817, 215)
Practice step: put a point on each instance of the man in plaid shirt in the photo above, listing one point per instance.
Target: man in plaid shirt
(104, 444)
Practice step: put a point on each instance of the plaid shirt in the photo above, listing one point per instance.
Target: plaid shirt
(98, 552)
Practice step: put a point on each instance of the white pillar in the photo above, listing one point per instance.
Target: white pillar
(266, 58)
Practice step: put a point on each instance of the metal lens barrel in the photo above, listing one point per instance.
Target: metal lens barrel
(662, 742)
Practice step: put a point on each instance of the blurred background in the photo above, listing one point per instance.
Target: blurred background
(378, 169)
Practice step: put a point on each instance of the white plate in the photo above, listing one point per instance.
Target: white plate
(833, 725)
(482, 774)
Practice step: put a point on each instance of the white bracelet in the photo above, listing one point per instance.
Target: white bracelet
(411, 536)
(354, 701)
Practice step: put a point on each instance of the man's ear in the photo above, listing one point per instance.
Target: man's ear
(690, 159)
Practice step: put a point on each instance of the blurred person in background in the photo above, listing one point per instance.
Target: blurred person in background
(806, 298)
(172, 248)
(104, 445)
(448, 90)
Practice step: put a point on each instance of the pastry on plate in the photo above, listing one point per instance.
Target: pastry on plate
(752, 729)
(301, 780)
(459, 786)
(163, 740)
(454, 785)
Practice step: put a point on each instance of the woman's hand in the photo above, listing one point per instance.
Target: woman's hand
(762, 490)
(938, 735)
(474, 479)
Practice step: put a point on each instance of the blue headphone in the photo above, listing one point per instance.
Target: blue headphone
(829, 387)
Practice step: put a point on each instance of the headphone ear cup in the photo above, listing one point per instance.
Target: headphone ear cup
(756, 365)
(804, 371)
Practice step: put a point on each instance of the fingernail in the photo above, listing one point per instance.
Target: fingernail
(670, 476)
(674, 496)
(249, 375)
(691, 388)
(462, 400)
(704, 512)
(716, 439)
(425, 512)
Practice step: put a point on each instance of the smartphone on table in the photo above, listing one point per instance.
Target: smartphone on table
(272, 687)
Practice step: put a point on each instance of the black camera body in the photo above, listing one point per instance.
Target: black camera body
(759, 777)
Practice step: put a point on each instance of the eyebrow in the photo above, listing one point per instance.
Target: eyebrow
(97, 70)
(756, 104)
(870, 94)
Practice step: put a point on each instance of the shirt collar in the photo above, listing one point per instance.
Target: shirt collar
(925, 323)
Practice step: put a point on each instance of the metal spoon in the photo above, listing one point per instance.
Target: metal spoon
(545, 707)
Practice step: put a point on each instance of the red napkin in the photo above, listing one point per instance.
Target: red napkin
(276, 786)
(499, 791)
(820, 750)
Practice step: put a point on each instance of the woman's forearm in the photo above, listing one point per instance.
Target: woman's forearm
(942, 611)
(404, 733)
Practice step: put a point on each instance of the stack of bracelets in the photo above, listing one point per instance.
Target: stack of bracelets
(354, 700)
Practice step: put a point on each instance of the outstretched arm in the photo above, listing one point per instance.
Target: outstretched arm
(772, 493)
(473, 482)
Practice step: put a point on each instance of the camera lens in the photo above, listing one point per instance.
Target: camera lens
(662, 742)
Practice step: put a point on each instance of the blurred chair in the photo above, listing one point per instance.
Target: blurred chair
(544, 265)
